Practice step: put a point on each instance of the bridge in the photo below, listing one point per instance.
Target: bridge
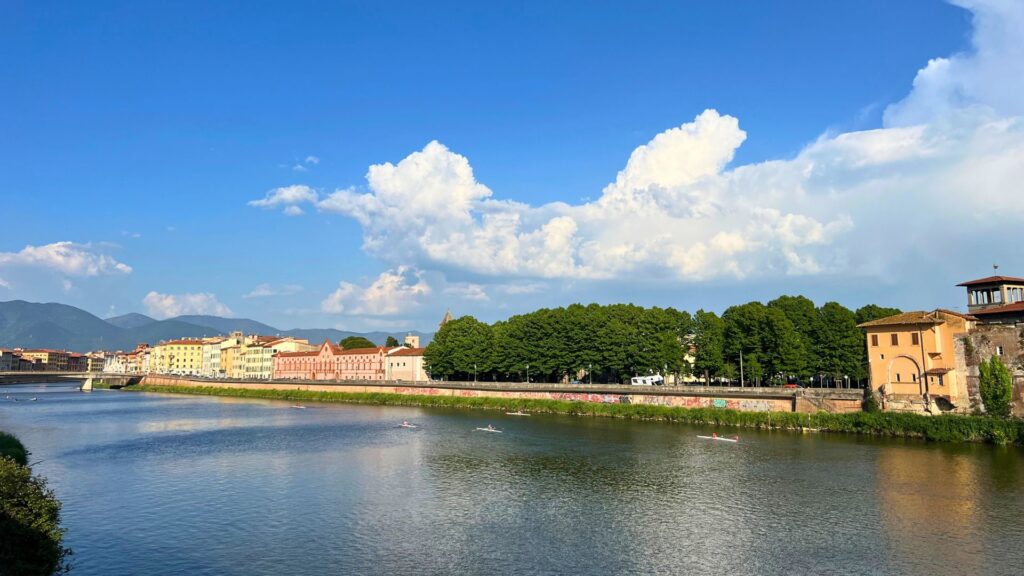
(86, 378)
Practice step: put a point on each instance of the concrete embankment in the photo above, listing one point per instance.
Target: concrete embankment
(739, 399)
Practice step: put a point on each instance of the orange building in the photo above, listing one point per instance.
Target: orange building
(912, 360)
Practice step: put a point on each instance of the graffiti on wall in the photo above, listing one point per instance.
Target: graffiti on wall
(586, 397)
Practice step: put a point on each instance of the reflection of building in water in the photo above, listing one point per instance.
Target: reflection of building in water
(930, 498)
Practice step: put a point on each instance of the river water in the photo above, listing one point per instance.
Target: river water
(159, 484)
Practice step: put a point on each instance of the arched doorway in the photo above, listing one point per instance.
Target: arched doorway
(905, 376)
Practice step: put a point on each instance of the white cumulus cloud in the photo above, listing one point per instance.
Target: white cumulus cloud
(393, 292)
(264, 290)
(949, 156)
(67, 258)
(467, 291)
(169, 305)
(286, 196)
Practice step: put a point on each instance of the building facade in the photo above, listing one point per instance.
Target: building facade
(49, 360)
(406, 365)
(259, 358)
(913, 362)
(331, 362)
(183, 357)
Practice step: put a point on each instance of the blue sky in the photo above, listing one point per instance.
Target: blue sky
(147, 135)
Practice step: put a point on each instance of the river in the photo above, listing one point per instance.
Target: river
(160, 484)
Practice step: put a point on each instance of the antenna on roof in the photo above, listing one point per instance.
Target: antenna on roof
(995, 267)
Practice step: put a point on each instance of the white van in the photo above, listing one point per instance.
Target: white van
(655, 380)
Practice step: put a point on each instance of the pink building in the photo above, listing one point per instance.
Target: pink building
(330, 362)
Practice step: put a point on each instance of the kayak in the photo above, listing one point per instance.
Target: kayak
(489, 430)
(298, 406)
(516, 413)
(407, 426)
(722, 438)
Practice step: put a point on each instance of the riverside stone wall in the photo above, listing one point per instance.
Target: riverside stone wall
(743, 399)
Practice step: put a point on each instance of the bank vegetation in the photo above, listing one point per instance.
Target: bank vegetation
(944, 428)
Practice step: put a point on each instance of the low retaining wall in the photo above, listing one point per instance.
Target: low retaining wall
(742, 399)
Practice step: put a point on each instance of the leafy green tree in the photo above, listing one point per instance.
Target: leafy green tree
(708, 342)
(996, 387)
(31, 539)
(391, 342)
(355, 342)
(784, 350)
(461, 349)
(840, 344)
(874, 312)
(803, 314)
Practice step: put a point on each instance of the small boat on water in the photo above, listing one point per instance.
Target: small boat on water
(489, 429)
(734, 439)
(407, 425)
(517, 413)
(299, 406)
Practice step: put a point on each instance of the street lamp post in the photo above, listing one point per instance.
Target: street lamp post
(474, 373)
(590, 373)
(527, 373)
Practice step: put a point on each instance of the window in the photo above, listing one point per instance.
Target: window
(913, 377)
(874, 339)
(940, 379)
(895, 339)
(897, 376)
(999, 350)
(914, 339)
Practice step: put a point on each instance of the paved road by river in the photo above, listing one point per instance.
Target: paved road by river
(159, 484)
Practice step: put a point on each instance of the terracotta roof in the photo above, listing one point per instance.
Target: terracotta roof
(410, 352)
(992, 280)
(916, 317)
(1005, 309)
(297, 354)
(183, 342)
(374, 350)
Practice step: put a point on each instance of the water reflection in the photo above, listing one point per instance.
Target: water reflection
(213, 486)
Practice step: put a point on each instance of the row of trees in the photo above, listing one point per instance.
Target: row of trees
(787, 339)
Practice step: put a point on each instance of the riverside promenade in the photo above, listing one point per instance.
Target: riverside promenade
(748, 399)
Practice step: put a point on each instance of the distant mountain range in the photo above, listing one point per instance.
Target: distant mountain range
(33, 325)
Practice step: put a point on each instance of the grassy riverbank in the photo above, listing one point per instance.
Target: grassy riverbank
(935, 428)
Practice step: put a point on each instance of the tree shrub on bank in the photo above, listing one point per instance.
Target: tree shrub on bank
(12, 448)
(946, 428)
(996, 387)
(31, 539)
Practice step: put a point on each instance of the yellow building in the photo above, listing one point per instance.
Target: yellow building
(912, 360)
(51, 360)
(178, 357)
(259, 356)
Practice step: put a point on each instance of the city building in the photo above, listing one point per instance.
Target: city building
(183, 357)
(96, 361)
(8, 362)
(49, 360)
(331, 362)
(996, 299)
(116, 363)
(259, 357)
(913, 363)
(406, 364)
(77, 362)
(210, 366)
